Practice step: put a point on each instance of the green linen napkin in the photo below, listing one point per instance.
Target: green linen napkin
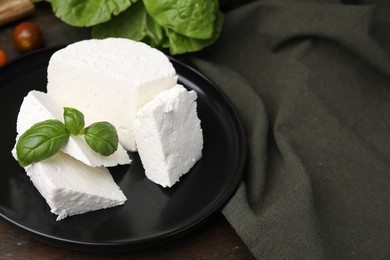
(311, 82)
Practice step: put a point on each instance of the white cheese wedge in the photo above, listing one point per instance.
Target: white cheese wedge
(109, 80)
(38, 106)
(169, 136)
(71, 187)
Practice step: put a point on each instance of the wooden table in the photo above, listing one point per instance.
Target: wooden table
(214, 240)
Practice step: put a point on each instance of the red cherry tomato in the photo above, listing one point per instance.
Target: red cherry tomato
(27, 37)
(3, 58)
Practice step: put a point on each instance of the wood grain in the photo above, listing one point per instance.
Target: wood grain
(12, 10)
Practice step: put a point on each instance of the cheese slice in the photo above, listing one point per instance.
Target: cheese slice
(168, 135)
(71, 187)
(109, 80)
(38, 106)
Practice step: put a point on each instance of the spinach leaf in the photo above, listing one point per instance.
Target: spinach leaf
(41, 141)
(88, 12)
(102, 138)
(134, 23)
(181, 44)
(180, 25)
(74, 121)
(191, 18)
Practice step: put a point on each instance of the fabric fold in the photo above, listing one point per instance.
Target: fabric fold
(317, 176)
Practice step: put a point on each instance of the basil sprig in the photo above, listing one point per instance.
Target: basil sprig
(46, 138)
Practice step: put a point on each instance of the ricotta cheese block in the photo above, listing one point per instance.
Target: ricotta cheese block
(38, 106)
(168, 135)
(70, 187)
(109, 80)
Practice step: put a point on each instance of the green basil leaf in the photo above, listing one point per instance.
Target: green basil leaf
(134, 23)
(88, 12)
(191, 18)
(41, 141)
(102, 138)
(179, 44)
(74, 121)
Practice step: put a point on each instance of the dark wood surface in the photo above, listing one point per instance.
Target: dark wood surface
(216, 239)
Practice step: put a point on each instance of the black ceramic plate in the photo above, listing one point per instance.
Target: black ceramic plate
(152, 214)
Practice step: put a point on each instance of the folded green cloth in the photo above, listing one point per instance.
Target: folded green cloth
(311, 82)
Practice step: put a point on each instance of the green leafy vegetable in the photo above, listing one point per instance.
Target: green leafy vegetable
(179, 25)
(102, 138)
(134, 23)
(41, 141)
(191, 18)
(180, 44)
(88, 12)
(74, 121)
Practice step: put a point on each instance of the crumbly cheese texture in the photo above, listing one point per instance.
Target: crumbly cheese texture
(71, 187)
(109, 80)
(38, 106)
(169, 136)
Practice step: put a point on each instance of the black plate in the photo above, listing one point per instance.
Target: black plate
(151, 214)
